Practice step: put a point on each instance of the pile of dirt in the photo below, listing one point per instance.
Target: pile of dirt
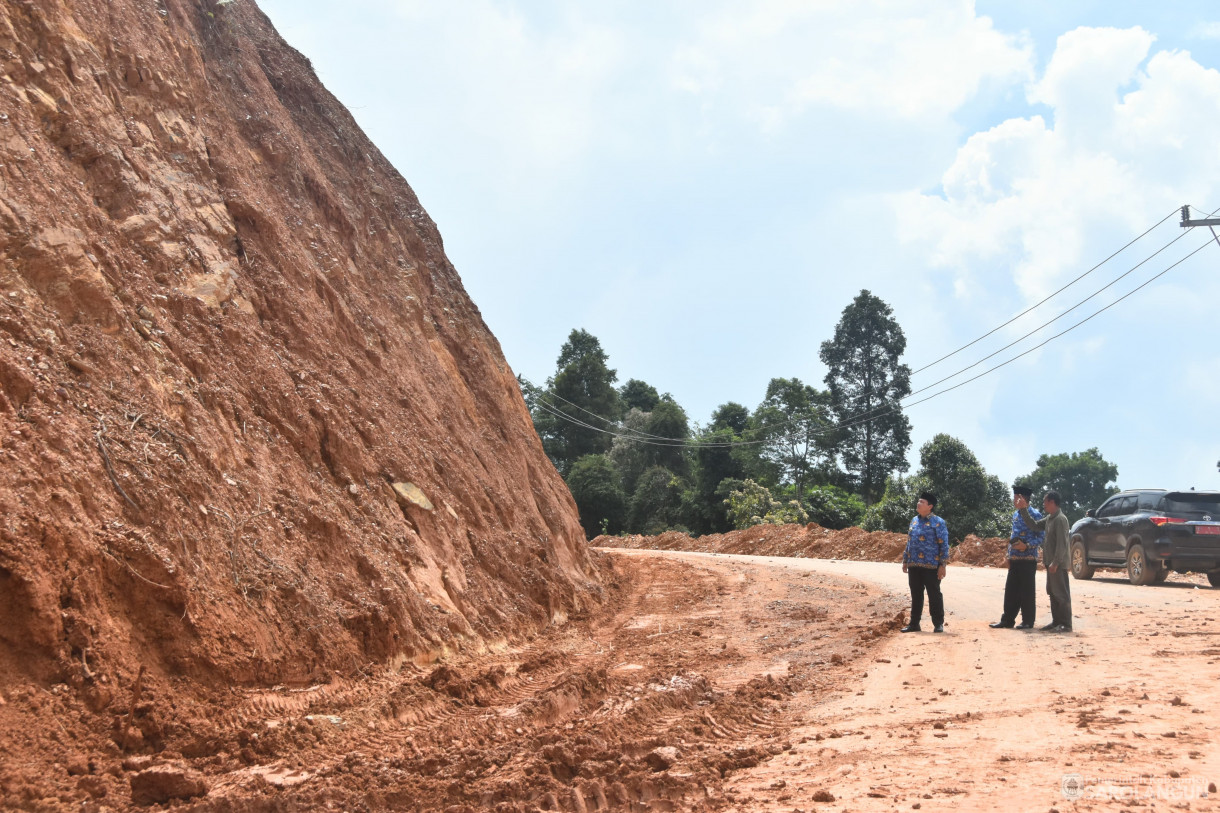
(810, 542)
(252, 429)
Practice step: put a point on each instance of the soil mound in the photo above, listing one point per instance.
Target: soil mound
(810, 542)
(252, 429)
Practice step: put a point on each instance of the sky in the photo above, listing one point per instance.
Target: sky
(706, 185)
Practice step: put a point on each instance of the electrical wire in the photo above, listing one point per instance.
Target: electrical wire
(1109, 284)
(659, 440)
(1062, 332)
(1049, 296)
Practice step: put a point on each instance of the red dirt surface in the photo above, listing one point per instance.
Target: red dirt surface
(811, 542)
(276, 532)
(684, 678)
(253, 432)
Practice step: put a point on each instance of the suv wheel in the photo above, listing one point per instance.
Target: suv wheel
(1139, 570)
(1213, 578)
(1080, 561)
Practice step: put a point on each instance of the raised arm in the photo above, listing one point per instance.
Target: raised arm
(1030, 521)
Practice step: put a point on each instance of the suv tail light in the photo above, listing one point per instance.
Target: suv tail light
(1159, 521)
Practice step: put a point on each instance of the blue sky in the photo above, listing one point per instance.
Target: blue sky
(706, 185)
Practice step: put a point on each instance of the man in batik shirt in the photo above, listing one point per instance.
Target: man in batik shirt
(924, 560)
(1020, 591)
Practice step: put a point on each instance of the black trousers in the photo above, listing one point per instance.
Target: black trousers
(920, 579)
(1020, 592)
(1060, 591)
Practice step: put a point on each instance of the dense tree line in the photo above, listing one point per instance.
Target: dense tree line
(836, 456)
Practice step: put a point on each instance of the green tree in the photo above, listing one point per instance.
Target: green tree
(714, 460)
(731, 416)
(970, 500)
(795, 424)
(867, 383)
(753, 504)
(594, 484)
(635, 394)
(631, 457)
(894, 510)
(648, 439)
(1083, 479)
(582, 392)
(668, 420)
(657, 502)
(833, 507)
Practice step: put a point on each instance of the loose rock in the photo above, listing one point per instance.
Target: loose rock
(161, 783)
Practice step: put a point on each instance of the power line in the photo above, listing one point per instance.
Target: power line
(1048, 297)
(1068, 330)
(1109, 284)
(658, 440)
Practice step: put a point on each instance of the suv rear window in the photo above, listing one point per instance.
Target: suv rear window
(1193, 506)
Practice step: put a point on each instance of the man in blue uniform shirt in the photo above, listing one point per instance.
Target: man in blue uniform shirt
(924, 560)
(1020, 592)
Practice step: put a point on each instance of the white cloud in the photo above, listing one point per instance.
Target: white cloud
(897, 59)
(1042, 200)
(1206, 31)
(1087, 71)
(525, 92)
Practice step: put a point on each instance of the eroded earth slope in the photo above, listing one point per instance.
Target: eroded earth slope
(252, 430)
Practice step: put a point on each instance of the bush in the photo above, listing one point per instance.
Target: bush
(753, 505)
(656, 503)
(593, 482)
(896, 507)
(833, 507)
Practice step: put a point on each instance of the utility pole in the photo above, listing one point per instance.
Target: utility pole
(1188, 223)
(1210, 222)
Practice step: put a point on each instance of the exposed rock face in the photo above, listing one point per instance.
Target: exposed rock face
(251, 425)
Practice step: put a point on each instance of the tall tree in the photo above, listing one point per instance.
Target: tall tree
(636, 394)
(971, 500)
(731, 415)
(599, 498)
(867, 383)
(582, 390)
(656, 503)
(1083, 479)
(795, 425)
(715, 460)
(631, 457)
(668, 420)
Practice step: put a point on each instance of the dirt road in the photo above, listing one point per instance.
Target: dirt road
(982, 719)
(702, 682)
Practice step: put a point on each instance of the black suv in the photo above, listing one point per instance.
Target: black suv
(1151, 532)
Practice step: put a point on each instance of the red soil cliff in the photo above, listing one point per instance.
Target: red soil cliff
(252, 429)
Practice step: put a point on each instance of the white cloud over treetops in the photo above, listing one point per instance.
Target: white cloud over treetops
(1124, 141)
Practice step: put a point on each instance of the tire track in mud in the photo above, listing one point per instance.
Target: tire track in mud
(682, 678)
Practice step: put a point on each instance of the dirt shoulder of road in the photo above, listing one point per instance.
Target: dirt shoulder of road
(1119, 714)
(684, 678)
(812, 541)
(809, 541)
(706, 682)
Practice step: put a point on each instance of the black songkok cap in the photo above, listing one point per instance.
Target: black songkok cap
(1024, 491)
(929, 497)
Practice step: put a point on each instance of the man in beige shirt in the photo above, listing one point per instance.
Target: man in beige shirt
(1056, 555)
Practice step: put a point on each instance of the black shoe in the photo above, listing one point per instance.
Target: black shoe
(910, 628)
(1000, 625)
(1025, 626)
(1062, 628)
(1051, 627)
(939, 628)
